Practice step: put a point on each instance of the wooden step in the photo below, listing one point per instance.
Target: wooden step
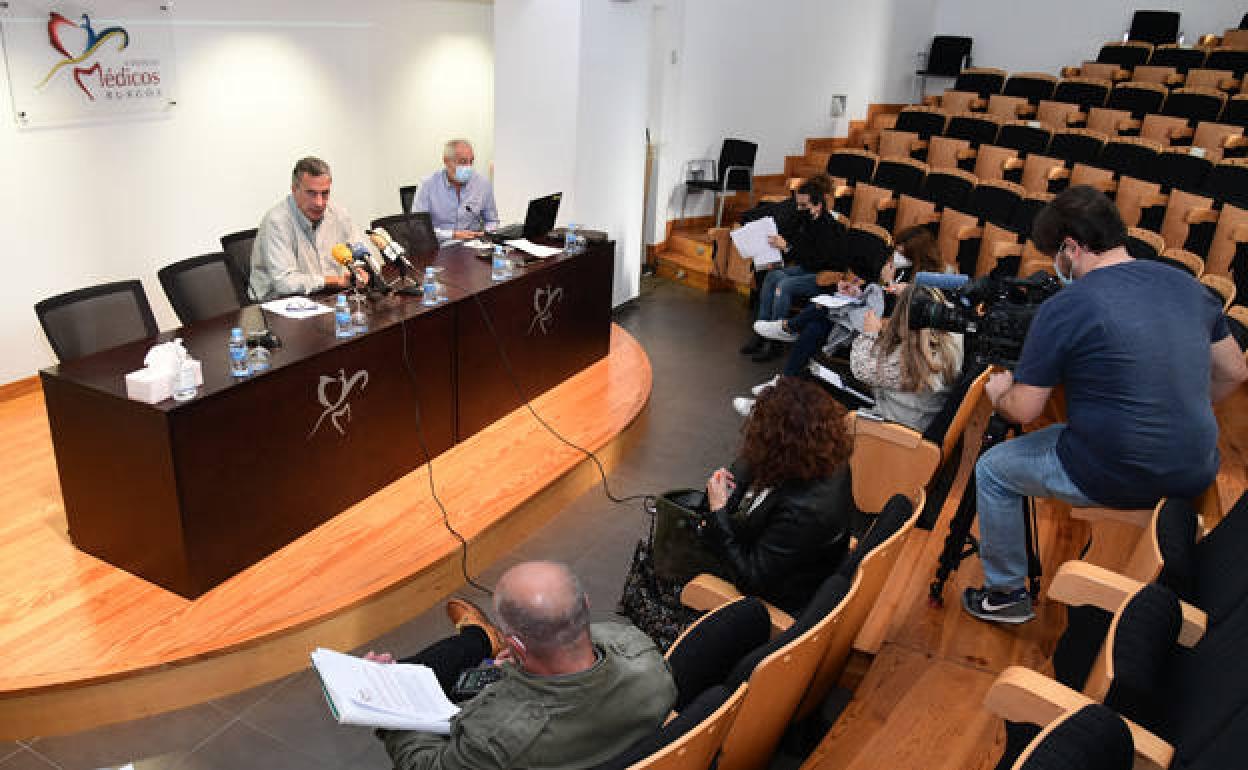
(694, 272)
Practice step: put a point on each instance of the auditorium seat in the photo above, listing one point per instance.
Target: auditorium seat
(1212, 79)
(1115, 61)
(1137, 98)
(992, 162)
(689, 740)
(945, 187)
(908, 137)
(896, 176)
(1110, 122)
(1179, 168)
(1089, 738)
(1009, 107)
(1144, 244)
(1181, 58)
(1153, 73)
(1194, 105)
(203, 287)
(846, 168)
(1230, 59)
(1219, 140)
(1025, 137)
(1182, 258)
(1155, 27)
(1235, 112)
(238, 246)
(871, 244)
(970, 91)
(1134, 196)
(85, 321)
(1183, 210)
(1035, 87)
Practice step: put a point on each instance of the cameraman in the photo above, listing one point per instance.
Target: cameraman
(1142, 350)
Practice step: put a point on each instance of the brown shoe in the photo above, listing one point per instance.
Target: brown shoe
(464, 613)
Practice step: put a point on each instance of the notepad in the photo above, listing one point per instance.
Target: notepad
(833, 301)
(751, 240)
(834, 379)
(394, 696)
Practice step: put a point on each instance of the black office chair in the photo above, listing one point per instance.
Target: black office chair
(79, 323)
(238, 247)
(733, 173)
(947, 57)
(414, 231)
(1156, 27)
(407, 194)
(203, 287)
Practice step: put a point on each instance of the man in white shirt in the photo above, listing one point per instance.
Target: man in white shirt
(460, 201)
(292, 252)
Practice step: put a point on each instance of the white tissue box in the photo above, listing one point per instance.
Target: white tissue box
(152, 385)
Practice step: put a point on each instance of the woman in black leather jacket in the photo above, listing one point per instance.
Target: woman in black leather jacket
(779, 520)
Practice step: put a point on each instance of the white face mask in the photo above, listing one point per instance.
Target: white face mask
(1057, 267)
(900, 261)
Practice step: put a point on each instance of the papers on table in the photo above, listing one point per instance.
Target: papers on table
(396, 696)
(477, 243)
(296, 307)
(528, 247)
(751, 241)
(833, 301)
(834, 379)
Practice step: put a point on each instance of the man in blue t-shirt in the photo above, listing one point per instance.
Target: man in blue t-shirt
(1142, 350)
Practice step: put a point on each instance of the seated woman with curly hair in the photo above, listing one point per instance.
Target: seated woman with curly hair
(779, 520)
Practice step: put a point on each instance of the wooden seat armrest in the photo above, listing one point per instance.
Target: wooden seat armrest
(1007, 250)
(1201, 217)
(843, 190)
(1014, 164)
(794, 182)
(829, 277)
(932, 100)
(1174, 80)
(934, 217)
(1076, 119)
(1023, 695)
(886, 203)
(1120, 74)
(1026, 110)
(716, 232)
(967, 154)
(1059, 172)
(777, 198)
(1130, 124)
(918, 145)
(1071, 72)
(978, 105)
(706, 592)
(1181, 133)
(1209, 40)
(966, 233)
(1239, 233)
(1139, 517)
(1078, 583)
(1235, 142)
(1229, 85)
(1153, 200)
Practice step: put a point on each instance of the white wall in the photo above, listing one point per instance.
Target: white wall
(259, 85)
(1045, 36)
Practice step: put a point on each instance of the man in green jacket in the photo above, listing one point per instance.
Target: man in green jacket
(572, 695)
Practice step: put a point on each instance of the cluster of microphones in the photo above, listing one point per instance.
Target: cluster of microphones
(357, 256)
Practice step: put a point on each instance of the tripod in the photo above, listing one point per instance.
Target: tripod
(960, 543)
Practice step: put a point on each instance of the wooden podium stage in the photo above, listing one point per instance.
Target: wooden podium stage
(83, 643)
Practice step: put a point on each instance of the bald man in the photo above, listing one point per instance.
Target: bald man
(572, 695)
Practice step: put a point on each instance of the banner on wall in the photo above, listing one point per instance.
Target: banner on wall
(70, 62)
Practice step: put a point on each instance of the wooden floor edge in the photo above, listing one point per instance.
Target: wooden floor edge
(68, 709)
(19, 388)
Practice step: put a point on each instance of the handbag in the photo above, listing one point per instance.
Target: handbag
(651, 602)
(679, 553)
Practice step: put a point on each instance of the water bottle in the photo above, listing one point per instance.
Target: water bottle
(184, 379)
(260, 359)
(238, 354)
(342, 317)
(569, 238)
(359, 319)
(498, 265)
(429, 287)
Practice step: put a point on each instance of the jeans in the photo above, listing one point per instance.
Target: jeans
(454, 655)
(1026, 466)
(780, 287)
(812, 327)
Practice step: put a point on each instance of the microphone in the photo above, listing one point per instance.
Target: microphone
(364, 258)
(344, 256)
(381, 245)
(393, 249)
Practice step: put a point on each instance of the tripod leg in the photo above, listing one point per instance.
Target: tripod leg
(955, 546)
(1034, 568)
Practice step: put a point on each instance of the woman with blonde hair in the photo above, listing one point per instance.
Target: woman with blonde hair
(909, 370)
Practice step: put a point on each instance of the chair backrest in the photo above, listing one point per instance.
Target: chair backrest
(414, 231)
(901, 175)
(962, 417)
(975, 128)
(948, 55)
(1178, 168)
(852, 165)
(79, 323)
(1138, 98)
(1177, 56)
(1021, 135)
(949, 187)
(203, 287)
(1194, 104)
(870, 243)
(995, 201)
(1076, 145)
(1131, 156)
(1156, 27)
(1207, 78)
(1126, 54)
(407, 194)
(778, 674)
(1227, 182)
(924, 121)
(1092, 738)
(1032, 86)
(1144, 244)
(1235, 60)
(238, 247)
(887, 457)
(735, 154)
(1085, 92)
(868, 568)
(983, 81)
(1185, 260)
(689, 740)
(708, 650)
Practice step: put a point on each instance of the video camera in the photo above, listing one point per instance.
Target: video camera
(993, 313)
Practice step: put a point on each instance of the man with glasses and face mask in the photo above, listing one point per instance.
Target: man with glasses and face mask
(1143, 352)
(459, 200)
(292, 251)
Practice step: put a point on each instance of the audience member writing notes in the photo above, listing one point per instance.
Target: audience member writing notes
(396, 696)
(751, 241)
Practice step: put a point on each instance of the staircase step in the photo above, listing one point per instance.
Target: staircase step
(695, 272)
(697, 248)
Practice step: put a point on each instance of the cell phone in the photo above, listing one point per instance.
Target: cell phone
(473, 680)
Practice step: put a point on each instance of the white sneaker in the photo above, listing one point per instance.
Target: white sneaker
(743, 406)
(758, 389)
(773, 330)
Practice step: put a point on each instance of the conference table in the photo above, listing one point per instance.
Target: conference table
(185, 495)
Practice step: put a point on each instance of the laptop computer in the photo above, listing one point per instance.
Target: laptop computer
(538, 221)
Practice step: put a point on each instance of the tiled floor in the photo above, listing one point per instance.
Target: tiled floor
(686, 431)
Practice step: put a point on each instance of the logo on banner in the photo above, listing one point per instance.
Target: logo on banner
(544, 301)
(80, 46)
(336, 407)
